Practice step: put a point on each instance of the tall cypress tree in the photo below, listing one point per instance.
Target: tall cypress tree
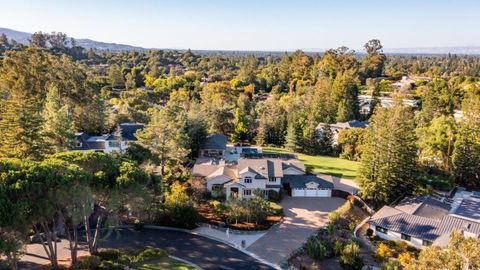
(389, 158)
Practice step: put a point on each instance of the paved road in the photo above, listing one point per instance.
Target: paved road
(204, 252)
(303, 216)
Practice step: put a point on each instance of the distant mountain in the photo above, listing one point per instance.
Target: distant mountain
(23, 37)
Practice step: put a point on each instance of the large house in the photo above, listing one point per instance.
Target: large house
(108, 142)
(338, 127)
(260, 172)
(426, 220)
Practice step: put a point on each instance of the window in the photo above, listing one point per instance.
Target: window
(113, 144)
(272, 179)
(247, 192)
(79, 144)
(247, 180)
(406, 237)
(381, 229)
(426, 243)
(217, 188)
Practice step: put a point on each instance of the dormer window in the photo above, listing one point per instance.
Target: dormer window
(247, 180)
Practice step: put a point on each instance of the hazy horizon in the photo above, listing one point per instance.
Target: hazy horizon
(248, 25)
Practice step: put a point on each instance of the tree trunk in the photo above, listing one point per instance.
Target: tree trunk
(50, 245)
(97, 233)
(87, 230)
(12, 261)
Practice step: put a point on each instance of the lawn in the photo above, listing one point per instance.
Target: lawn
(322, 164)
(166, 264)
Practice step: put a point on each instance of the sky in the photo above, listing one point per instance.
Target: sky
(266, 25)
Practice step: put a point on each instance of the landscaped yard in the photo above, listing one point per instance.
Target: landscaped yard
(166, 264)
(322, 164)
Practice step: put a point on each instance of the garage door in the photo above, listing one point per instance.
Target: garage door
(311, 193)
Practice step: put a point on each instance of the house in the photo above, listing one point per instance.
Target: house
(365, 101)
(260, 172)
(337, 127)
(426, 220)
(214, 146)
(108, 142)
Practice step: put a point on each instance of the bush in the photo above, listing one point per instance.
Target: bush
(90, 263)
(149, 254)
(391, 265)
(276, 209)
(316, 250)
(109, 254)
(334, 217)
(350, 258)
(183, 216)
(139, 225)
(109, 265)
(275, 196)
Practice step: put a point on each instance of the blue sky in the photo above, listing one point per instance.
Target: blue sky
(253, 25)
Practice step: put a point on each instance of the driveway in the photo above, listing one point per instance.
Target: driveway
(303, 216)
(202, 251)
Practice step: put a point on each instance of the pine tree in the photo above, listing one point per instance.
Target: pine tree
(293, 139)
(389, 158)
(59, 130)
(326, 140)
(21, 127)
(240, 131)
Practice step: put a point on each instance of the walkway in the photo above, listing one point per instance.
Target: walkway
(303, 217)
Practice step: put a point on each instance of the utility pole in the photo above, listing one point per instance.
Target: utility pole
(450, 139)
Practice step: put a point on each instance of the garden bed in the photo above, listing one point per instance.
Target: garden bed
(208, 214)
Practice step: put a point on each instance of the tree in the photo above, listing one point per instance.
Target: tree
(374, 63)
(21, 127)
(243, 121)
(166, 135)
(58, 123)
(115, 77)
(351, 141)
(293, 139)
(388, 161)
(435, 142)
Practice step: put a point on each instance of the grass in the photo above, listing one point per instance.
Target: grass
(166, 264)
(322, 164)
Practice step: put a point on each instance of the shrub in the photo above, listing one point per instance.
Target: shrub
(275, 196)
(109, 254)
(276, 209)
(149, 254)
(183, 216)
(337, 248)
(109, 265)
(350, 258)
(384, 251)
(405, 258)
(334, 217)
(90, 263)
(316, 250)
(139, 225)
(391, 265)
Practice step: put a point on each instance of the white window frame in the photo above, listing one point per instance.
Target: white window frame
(247, 192)
(247, 180)
(272, 179)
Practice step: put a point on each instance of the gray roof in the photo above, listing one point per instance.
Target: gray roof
(345, 125)
(469, 209)
(216, 141)
(300, 181)
(429, 221)
(129, 129)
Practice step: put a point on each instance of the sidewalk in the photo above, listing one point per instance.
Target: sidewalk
(233, 237)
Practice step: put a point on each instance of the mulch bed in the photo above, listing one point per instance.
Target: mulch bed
(206, 215)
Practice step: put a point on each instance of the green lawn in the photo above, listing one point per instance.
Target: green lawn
(166, 264)
(321, 164)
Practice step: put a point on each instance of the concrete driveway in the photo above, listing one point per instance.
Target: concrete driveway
(303, 216)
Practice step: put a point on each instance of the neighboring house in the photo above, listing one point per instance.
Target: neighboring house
(214, 146)
(108, 142)
(337, 127)
(426, 220)
(260, 173)
(365, 101)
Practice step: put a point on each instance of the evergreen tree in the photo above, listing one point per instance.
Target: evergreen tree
(58, 123)
(326, 140)
(293, 139)
(466, 155)
(21, 127)
(389, 155)
(240, 131)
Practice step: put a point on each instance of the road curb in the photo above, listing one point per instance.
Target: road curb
(255, 256)
(185, 261)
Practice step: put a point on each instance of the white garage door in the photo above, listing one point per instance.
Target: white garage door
(311, 193)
